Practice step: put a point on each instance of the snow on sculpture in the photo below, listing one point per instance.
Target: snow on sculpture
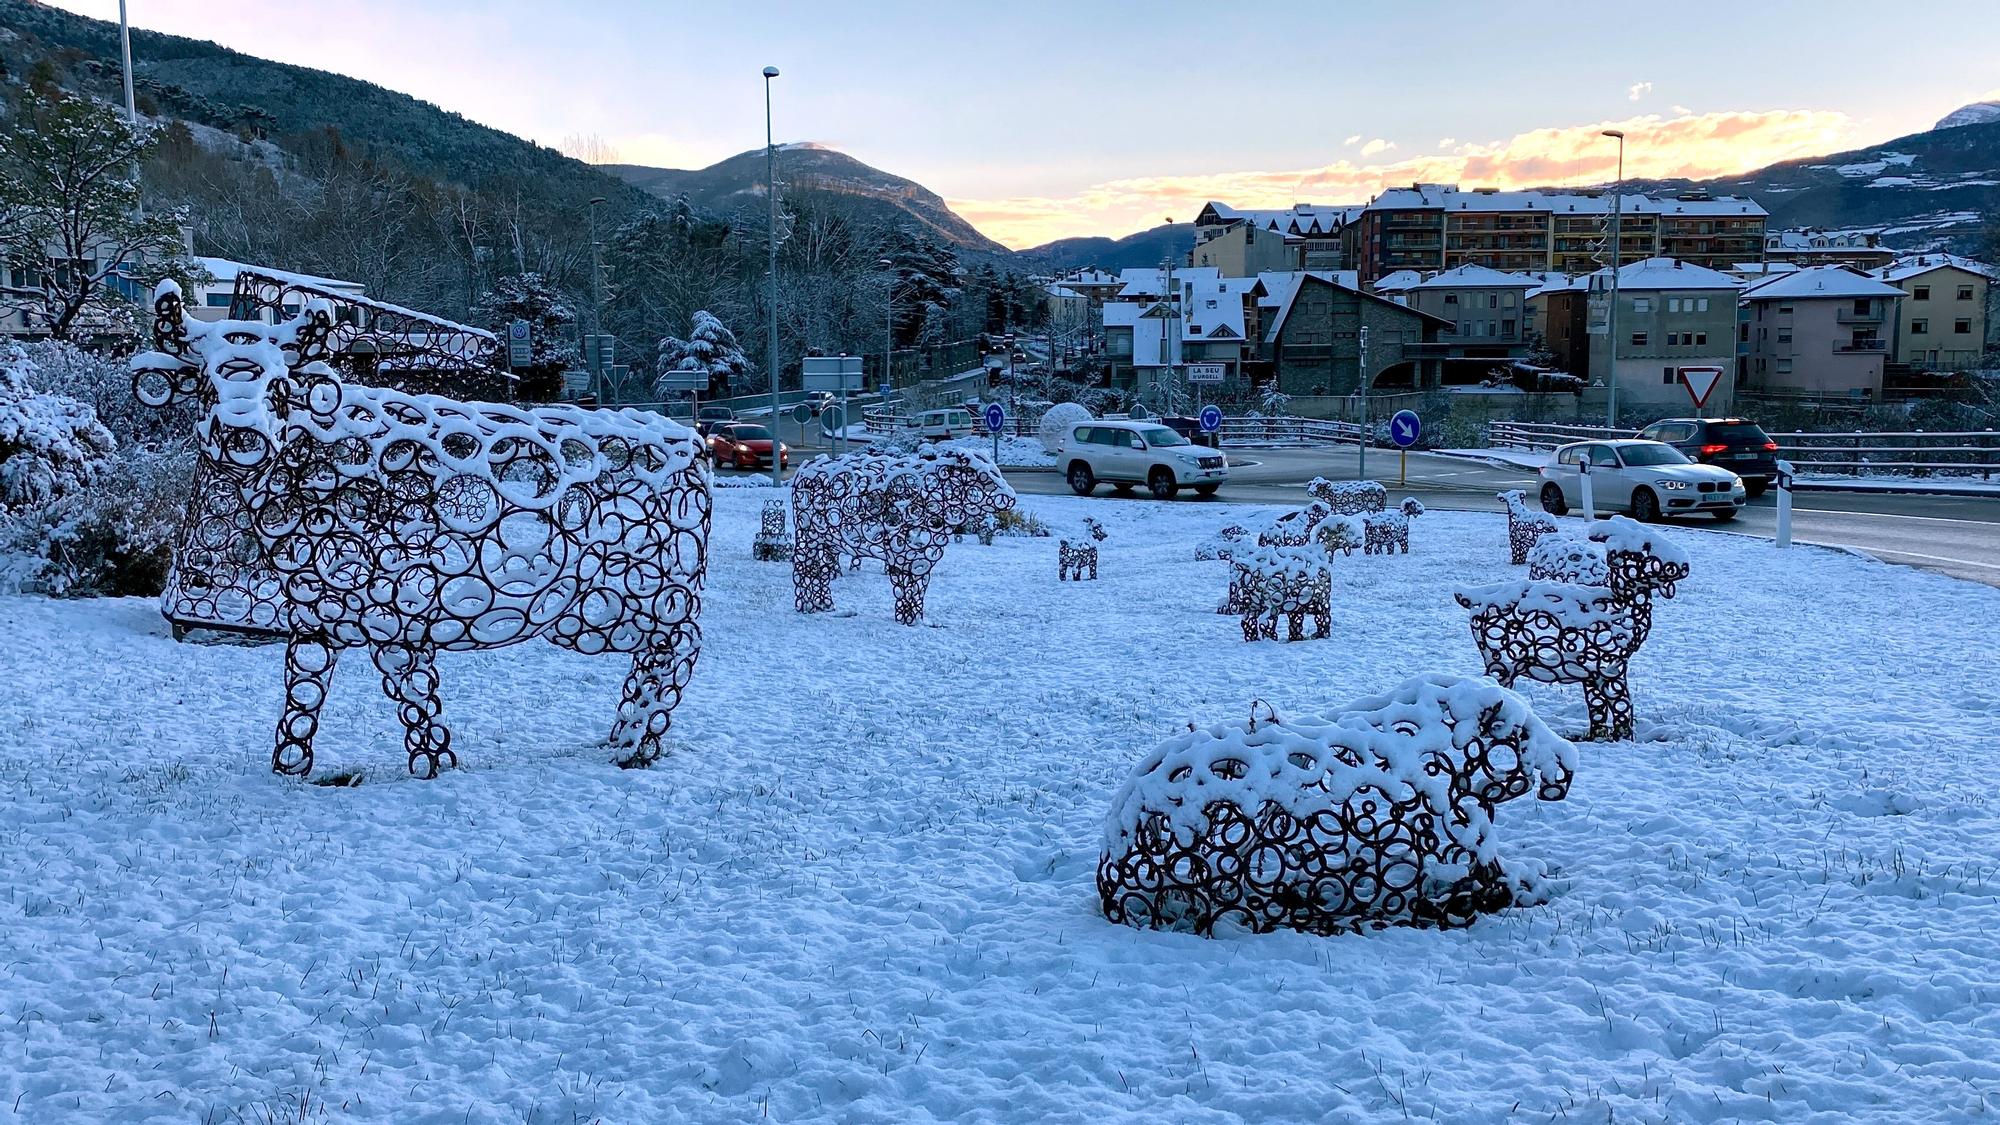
(1295, 529)
(774, 536)
(1559, 558)
(408, 524)
(1524, 525)
(1386, 532)
(1349, 497)
(1563, 633)
(1340, 535)
(1056, 422)
(1380, 814)
(1282, 583)
(1222, 543)
(899, 508)
(1071, 560)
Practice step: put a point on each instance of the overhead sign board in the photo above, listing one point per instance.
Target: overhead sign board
(1206, 372)
(682, 379)
(832, 372)
(1700, 383)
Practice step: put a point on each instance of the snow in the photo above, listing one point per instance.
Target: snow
(1524, 458)
(861, 888)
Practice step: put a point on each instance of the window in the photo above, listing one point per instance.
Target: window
(1121, 439)
(1700, 338)
(1668, 377)
(1642, 304)
(1862, 307)
(1673, 339)
(1920, 327)
(1965, 292)
(1602, 455)
(1638, 339)
(1673, 304)
(1451, 298)
(1921, 293)
(1962, 326)
(1701, 304)
(1784, 367)
(217, 300)
(1786, 309)
(1506, 328)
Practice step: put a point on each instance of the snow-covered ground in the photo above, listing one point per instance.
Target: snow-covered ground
(1887, 483)
(861, 887)
(1523, 458)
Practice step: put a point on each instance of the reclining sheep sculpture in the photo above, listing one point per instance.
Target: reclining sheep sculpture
(1559, 632)
(1386, 532)
(899, 508)
(774, 535)
(1288, 583)
(1560, 558)
(1341, 535)
(1524, 525)
(1072, 560)
(1380, 814)
(1349, 497)
(407, 524)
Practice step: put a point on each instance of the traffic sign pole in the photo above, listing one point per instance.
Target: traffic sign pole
(1404, 429)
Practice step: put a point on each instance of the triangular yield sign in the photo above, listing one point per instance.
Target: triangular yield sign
(1700, 381)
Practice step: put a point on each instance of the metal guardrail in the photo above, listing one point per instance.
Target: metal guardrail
(1855, 453)
(1311, 431)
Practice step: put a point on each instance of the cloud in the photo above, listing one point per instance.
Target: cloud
(1447, 142)
(1639, 90)
(1377, 145)
(1352, 140)
(1694, 145)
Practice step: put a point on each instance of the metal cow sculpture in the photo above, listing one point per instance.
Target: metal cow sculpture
(407, 524)
(901, 509)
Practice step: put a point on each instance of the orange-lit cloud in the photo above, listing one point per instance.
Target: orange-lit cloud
(1694, 145)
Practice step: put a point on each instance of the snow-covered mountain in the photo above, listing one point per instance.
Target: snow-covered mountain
(1978, 113)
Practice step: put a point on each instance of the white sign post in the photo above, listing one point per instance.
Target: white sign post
(1583, 477)
(1784, 504)
(839, 374)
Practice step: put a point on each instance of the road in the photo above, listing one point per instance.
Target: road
(1959, 536)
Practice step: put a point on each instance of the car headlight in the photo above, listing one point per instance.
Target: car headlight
(1673, 484)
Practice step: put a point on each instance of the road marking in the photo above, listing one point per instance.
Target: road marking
(1889, 515)
(1932, 558)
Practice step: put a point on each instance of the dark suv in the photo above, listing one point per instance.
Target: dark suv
(1736, 444)
(1190, 428)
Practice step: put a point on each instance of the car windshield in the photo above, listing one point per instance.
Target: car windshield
(1160, 435)
(750, 433)
(716, 412)
(1652, 455)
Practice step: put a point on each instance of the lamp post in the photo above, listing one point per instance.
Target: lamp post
(602, 373)
(888, 334)
(771, 190)
(1611, 317)
(125, 51)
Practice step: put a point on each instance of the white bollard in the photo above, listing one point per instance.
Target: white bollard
(1784, 483)
(1583, 479)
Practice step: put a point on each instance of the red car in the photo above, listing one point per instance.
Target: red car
(745, 446)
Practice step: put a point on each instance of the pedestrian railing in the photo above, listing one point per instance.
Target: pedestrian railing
(1262, 430)
(1854, 453)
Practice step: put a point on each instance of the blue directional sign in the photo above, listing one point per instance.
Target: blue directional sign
(996, 418)
(1211, 418)
(1404, 428)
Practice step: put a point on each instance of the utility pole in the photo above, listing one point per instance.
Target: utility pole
(602, 372)
(1611, 317)
(888, 341)
(771, 190)
(1361, 461)
(125, 49)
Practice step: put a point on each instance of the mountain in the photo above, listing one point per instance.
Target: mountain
(1978, 113)
(1143, 249)
(737, 185)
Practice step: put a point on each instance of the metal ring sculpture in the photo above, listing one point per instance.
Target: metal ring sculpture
(1283, 583)
(1349, 497)
(355, 516)
(774, 534)
(1071, 560)
(900, 509)
(1385, 533)
(1382, 814)
(1524, 525)
(1559, 558)
(1563, 633)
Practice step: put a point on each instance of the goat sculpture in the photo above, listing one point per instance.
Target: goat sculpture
(1559, 632)
(1524, 525)
(901, 509)
(409, 524)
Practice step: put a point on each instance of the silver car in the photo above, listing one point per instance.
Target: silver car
(1648, 479)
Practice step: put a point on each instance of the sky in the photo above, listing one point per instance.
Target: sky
(1041, 120)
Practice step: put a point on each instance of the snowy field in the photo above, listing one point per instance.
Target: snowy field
(861, 887)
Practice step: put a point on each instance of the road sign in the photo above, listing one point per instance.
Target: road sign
(682, 379)
(599, 351)
(832, 420)
(1700, 382)
(996, 417)
(520, 344)
(1138, 413)
(1211, 418)
(832, 372)
(1206, 372)
(802, 414)
(1404, 426)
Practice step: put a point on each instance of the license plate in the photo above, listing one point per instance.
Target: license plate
(1743, 457)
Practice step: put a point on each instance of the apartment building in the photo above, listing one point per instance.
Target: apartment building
(1556, 321)
(1818, 332)
(1485, 308)
(1246, 250)
(1944, 318)
(1672, 317)
(1438, 226)
(1312, 231)
(1205, 319)
(1812, 246)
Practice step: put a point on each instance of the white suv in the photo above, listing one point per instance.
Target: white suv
(1123, 454)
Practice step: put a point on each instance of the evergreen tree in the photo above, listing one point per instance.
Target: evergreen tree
(710, 346)
(551, 331)
(928, 283)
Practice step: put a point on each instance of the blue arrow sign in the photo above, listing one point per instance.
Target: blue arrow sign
(1404, 428)
(996, 418)
(1211, 419)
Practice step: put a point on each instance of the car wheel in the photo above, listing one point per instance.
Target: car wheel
(1081, 479)
(1161, 483)
(1754, 488)
(1205, 489)
(1645, 506)
(1724, 515)
(1552, 500)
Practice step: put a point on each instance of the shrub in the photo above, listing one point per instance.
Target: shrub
(114, 538)
(50, 445)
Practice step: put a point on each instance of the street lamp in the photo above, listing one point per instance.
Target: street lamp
(1611, 318)
(888, 330)
(604, 391)
(771, 189)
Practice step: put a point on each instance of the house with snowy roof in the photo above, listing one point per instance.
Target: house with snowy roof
(1673, 318)
(1813, 246)
(1207, 319)
(1821, 332)
(1314, 343)
(1945, 318)
(211, 298)
(1484, 306)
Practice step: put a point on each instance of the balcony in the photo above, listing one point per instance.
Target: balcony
(1861, 347)
(1850, 316)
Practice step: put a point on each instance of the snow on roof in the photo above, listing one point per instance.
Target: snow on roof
(1925, 263)
(1303, 219)
(1123, 314)
(1555, 282)
(1141, 281)
(1762, 268)
(224, 271)
(1398, 281)
(1213, 310)
(1448, 197)
(1819, 281)
(1474, 276)
(1670, 273)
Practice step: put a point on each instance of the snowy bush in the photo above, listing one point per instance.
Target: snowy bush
(50, 445)
(112, 538)
(1056, 423)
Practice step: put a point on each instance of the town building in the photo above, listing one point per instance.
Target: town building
(1811, 246)
(1312, 231)
(1314, 340)
(1555, 321)
(1245, 249)
(1821, 332)
(1673, 317)
(1944, 317)
(1482, 312)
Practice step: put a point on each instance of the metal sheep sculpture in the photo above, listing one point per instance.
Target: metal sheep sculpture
(405, 524)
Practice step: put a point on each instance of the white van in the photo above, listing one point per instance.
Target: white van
(943, 425)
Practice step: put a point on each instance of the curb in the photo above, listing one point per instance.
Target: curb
(1895, 490)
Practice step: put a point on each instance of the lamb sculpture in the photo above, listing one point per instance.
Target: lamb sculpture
(1524, 525)
(1292, 584)
(1379, 814)
(407, 524)
(1071, 560)
(1386, 532)
(1564, 633)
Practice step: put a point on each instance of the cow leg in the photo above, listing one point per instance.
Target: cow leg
(652, 690)
(813, 569)
(409, 676)
(309, 662)
(909, 588)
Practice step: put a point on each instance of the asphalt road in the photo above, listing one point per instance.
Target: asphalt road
(1959, 536)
